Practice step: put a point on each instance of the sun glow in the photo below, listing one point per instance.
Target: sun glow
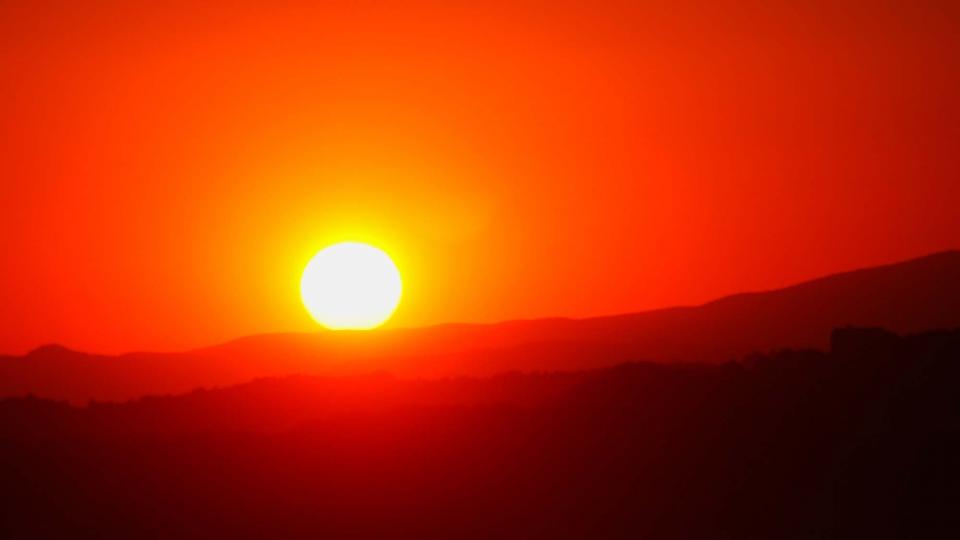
(351, 286)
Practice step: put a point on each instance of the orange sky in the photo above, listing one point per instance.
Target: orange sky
(167, 173)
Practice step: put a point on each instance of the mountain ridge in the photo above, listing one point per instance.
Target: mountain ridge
(916, 295)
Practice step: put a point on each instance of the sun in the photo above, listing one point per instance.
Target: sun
(351, 286)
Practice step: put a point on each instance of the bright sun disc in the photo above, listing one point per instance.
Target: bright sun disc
(351, 286)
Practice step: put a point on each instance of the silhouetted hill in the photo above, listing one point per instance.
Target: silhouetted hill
(862, 441)
(916, 295)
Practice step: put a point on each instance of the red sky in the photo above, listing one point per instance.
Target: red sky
(167, 172)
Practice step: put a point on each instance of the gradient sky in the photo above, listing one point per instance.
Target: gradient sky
(168, 171)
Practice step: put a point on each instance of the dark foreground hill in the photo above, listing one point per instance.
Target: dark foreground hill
(914, 296)
(859, 442)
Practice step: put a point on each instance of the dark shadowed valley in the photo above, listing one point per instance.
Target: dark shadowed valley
(861, 441)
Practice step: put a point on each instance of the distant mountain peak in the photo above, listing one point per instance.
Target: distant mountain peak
(50, 349)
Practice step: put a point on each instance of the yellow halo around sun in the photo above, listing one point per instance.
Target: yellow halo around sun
(351, 286)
